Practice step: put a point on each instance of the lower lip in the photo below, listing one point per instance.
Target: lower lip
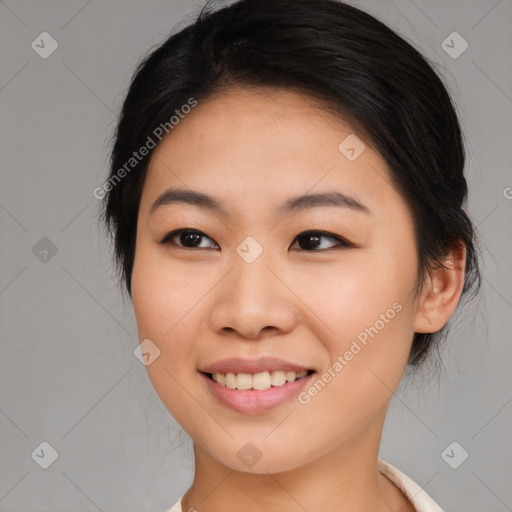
(252, 401)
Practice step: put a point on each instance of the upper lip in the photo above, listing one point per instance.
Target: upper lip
(264, 364)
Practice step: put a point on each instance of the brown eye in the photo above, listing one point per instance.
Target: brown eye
(186, 239)
(312, 241)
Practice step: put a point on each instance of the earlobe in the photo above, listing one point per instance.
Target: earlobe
(441, 293)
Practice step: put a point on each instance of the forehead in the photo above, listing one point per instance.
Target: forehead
(253, 147)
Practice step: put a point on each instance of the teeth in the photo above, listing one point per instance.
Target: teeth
(278, 378)
(230, 380)
(261, 381)
(290, 376)
(258, 381)
(243, 381)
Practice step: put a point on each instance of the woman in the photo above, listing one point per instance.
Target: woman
(286, 199)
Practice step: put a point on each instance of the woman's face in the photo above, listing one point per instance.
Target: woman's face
(252, 292)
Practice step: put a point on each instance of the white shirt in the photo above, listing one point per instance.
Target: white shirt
(421, 501)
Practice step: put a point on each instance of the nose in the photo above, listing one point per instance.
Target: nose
(253, 299)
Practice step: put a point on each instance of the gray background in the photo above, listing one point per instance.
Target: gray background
(68, 375)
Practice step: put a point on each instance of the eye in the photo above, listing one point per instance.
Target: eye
(187, 239)
(308, 241)
(311, 241)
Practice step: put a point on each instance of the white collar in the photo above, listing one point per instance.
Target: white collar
(421, 501)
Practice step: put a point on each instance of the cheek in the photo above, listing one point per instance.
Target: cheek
(368, 359)
(160, 311)
(369, 310)
(351, 296)
(161, 294)
(161, 304)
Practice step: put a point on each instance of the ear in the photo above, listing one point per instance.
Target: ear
(441, 293)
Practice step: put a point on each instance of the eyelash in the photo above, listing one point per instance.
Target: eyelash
(342, 243)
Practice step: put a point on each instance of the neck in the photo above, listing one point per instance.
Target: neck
(345, 479)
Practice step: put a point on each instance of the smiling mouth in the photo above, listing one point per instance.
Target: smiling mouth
(257, 381)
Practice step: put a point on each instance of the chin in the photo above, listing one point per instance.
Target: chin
(251, 457)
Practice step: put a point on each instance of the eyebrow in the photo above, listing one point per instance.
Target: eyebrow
(302, 202)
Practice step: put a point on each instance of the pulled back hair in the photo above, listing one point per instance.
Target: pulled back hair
(333, 52)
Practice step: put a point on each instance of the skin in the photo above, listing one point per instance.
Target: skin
(252, 150)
